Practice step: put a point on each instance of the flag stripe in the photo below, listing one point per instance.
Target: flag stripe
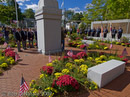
(23, 87)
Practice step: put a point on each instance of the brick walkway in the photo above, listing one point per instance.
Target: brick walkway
(30, 67)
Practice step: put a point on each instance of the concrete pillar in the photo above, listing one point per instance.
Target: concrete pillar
(48, 18)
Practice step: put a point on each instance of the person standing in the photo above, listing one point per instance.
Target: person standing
(6, 34)
(86, 31)
(89, 31)
(98, 31)
(35, 32)
(24, 38)
(105, 32)
(114, 31)
(18, 39)
(30, 38)
(119, 34)
(62, 39)
(93, 32)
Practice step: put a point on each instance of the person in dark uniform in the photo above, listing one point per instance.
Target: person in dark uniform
(35, 32)
(93, 32)
(86, 31)
(114, 31)
(119, 34)
(105, 32)
(6, 34)
(89, 31)
(98, 31)
(30, 38)
(80, 32)
(18, 39)
(62, 39)
(24, 38)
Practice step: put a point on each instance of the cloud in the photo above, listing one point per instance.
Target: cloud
(76, 10)
(32, 6)
(21, 4)
(89, 5)
(22, 0)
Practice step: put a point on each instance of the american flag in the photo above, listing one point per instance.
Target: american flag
(50, 59)
(111, 46)
(124, 53)
(23, 87)
(70, 53)
(16, 57)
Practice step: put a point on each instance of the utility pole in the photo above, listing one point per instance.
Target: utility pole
(16, 14)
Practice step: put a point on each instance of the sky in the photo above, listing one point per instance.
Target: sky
(75, 5)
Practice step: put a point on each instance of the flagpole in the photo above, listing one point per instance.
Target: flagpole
(16, 13)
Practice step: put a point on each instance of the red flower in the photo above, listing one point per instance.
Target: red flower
(103, 44)
(7, 50)
(74, 57)
(66, 80)
(47, 69)
(82, 46)
(77, 38)
(81, 54)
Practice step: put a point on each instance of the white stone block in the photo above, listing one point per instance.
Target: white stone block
(104, 73)
(88, 41)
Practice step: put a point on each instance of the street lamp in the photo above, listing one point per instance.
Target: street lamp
(16, 14)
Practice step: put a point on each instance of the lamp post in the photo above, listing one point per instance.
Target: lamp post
(16, 14)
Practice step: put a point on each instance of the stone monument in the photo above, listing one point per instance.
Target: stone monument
(48, 18)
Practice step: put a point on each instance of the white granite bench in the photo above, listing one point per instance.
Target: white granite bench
(88, 41)
(103, 73)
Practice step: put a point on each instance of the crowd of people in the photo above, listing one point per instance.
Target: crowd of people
(20, 35)
(101, 32)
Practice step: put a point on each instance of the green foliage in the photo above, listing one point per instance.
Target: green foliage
(107, 10)
(77, 16)
(124, 39)
(69, 14)
(73, 36)
(29, 13)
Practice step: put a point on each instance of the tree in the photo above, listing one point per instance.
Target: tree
(68, 15)
(107, 10)
(7, 13)
(29, 13)
(77, 16)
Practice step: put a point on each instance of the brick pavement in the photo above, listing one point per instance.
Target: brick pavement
(30, 67)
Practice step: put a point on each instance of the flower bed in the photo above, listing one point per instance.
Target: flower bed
(7, 58)
(114, 42)
(79, 44)
(68, 74)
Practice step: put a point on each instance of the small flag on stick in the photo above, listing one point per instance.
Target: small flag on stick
(111, 46)
(5, 44)
(70, 53)
(50, 59)
(23, 87)
(16, 57)
(124, 53)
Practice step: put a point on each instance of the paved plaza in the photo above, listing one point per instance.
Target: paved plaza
(31, 62)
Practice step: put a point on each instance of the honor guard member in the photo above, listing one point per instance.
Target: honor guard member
(89, 31)
(119, 34)
(114, 31)
(18, 39)
(24, 38)
(98, 31)
(93, 32)
(105, 32)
